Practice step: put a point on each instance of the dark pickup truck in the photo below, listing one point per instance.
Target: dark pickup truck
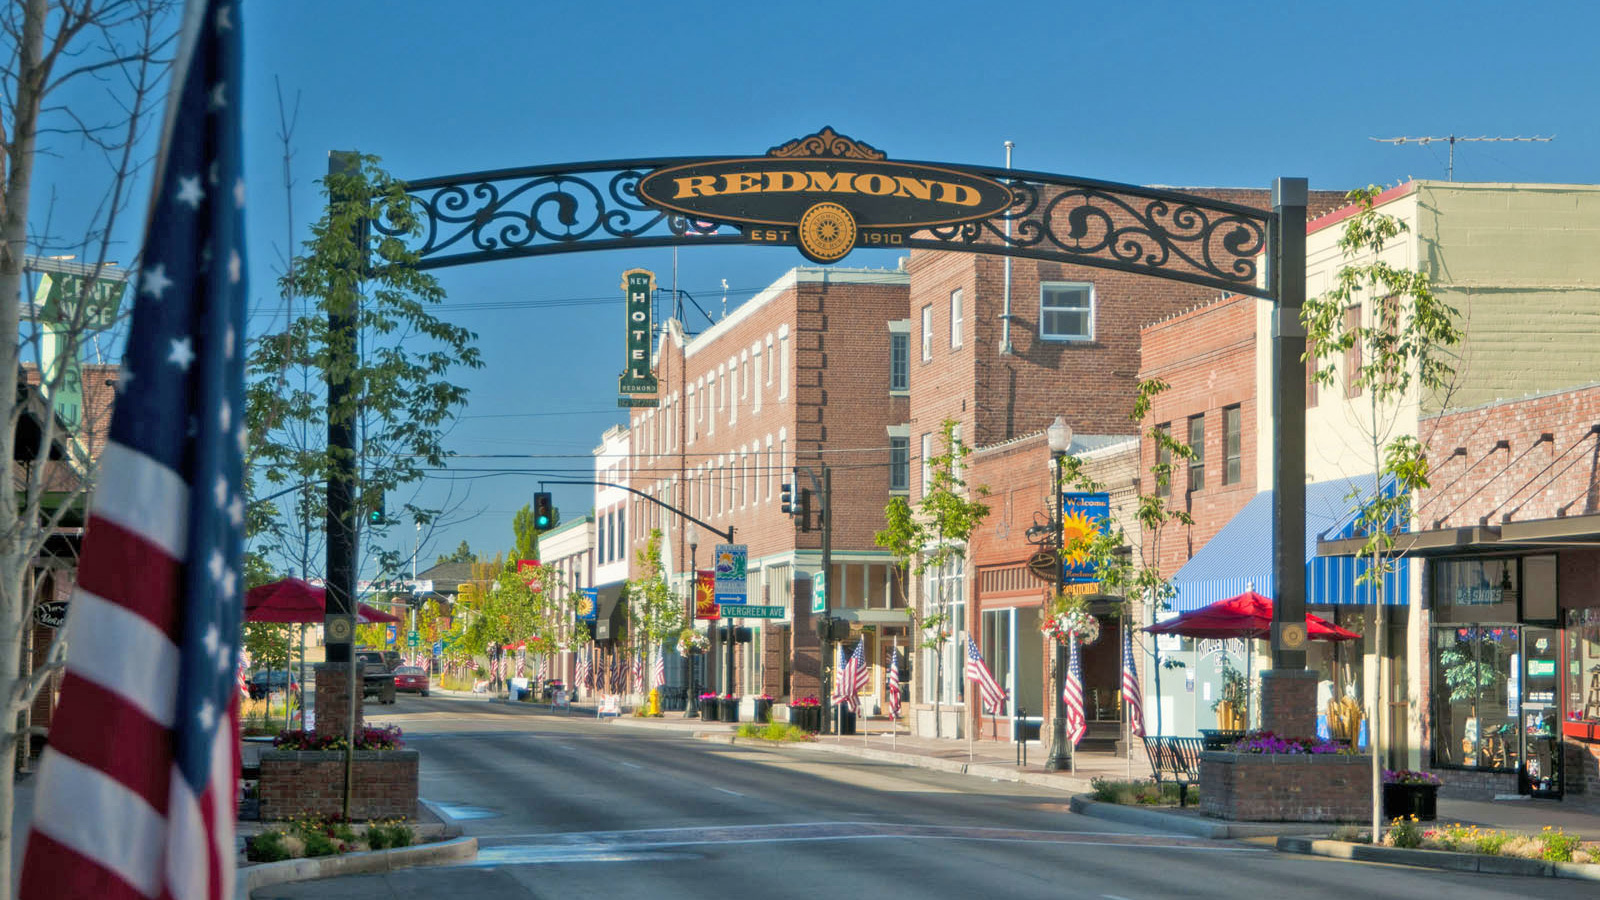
(378, 674)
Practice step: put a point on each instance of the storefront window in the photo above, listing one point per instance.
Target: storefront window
(1583, 666)
(1476, 696)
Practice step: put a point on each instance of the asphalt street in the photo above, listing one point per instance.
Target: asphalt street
(568, 807)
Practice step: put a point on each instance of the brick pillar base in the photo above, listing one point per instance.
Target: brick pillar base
(334, 698)
(1289, 702)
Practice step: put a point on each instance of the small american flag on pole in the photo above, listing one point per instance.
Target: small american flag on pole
(1132, 694)
(136, 795)
(582, 675)
(891, 686)
(658, 671)
(1072, 694)
(994, 696)
(852, 679)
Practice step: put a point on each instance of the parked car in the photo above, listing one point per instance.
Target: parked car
(411, 678)
(274, 681)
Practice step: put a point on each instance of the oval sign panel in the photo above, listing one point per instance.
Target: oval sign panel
(825, 194)
(51, 614)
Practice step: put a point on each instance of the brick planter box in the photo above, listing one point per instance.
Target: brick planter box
(312, 781)
(1286, 787)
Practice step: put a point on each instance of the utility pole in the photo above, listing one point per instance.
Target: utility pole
(827, 590)
(1452, 140)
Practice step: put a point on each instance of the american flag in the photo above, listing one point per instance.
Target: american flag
(616, 673)
(658, 671)
(544, 668)
(582, 675)
(244, 683)
(155, 616)
(892, 683)
(994, 696)
(522, 663)
(852, 679)
(636, 673)
(1072, 694)
(1132, 694)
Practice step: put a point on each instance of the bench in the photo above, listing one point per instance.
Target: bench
(1175, 759)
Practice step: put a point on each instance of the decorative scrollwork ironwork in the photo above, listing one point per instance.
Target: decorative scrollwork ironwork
(595, 206)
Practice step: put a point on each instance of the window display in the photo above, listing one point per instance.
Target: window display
(1583, 670)
(1477, 696)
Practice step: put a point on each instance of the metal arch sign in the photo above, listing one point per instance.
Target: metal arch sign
(826, 194)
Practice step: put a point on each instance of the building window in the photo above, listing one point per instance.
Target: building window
(927, 454)
(1352, 354)
(1197, 443)
(600, 523)
(783, 365)
(771, 362)
(944, 590)
(899, 362)
(899, 463)
(1163, 461)
(755, 358)
(956, 319)
(927, 333)
(1066, 312)
(1232, 443)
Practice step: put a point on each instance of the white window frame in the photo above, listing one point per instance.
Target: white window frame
(900, 329)
(927, 333)
(1047, 287)
(957, 319)
(783, 362)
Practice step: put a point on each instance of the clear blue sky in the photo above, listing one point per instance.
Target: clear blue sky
(1175, 93)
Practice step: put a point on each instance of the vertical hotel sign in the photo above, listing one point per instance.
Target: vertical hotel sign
(637, 287)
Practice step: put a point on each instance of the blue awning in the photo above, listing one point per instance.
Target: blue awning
(1239, 558)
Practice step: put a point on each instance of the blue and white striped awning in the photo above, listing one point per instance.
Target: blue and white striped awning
(1239, 558)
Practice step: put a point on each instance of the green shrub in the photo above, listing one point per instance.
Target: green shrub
(381, 835)
(1490, 843)
(1135, 793)
(266, 847)
(773, 731)
(318, 843)
(1558, 845)
(1350, 834)
(1404, 832)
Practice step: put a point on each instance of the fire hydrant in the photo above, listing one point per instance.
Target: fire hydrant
(652, 706)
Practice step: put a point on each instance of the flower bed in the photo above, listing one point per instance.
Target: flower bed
(326, 836)
(1549, 845)
(304, 775)
(388, 737)
(1269, 778)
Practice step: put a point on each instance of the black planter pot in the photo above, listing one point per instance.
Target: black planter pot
(809, 718)
(847, 721)
(730, 709)
(1405, 800)
(710, 710)
(763, 711)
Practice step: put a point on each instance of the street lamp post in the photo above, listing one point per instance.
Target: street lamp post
(1059, 436)
(691, 704)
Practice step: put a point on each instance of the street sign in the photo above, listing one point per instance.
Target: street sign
(759, 612)
(391, 633)
(412, 639)
(731, 560)
(819, 592)
(438, 648)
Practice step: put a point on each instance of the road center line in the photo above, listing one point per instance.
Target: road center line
(726, 791)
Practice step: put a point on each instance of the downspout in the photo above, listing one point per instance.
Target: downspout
(1005, 316)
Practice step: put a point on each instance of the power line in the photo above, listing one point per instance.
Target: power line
(1452, 140)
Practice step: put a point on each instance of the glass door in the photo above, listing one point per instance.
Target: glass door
(1541, 774)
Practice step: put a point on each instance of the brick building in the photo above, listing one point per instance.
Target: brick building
(801, 375)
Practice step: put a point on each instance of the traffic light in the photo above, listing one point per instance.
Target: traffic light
(803, 510)
(787, 496)
(375, 514)
(544, 512)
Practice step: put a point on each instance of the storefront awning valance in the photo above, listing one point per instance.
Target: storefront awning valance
(1507, 539)
(1239, 558)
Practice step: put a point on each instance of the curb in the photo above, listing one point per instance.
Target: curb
(251, 878)
(1440, 859)
(1149, 818)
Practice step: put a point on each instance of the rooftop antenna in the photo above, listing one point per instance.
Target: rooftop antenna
(1452, 140)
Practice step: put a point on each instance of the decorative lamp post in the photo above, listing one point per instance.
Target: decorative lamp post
(1059, 436)
(691, 704)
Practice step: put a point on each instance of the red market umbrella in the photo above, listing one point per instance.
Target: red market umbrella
(1248, 615)
(298, 601)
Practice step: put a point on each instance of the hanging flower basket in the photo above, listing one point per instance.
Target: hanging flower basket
(691, 642)
(1074, 622)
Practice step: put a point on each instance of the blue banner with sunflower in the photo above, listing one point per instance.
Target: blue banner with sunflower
(1083, 516)
(588, 601)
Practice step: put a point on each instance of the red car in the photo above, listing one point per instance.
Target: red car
(411, 678)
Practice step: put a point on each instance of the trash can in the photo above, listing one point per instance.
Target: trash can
(847, 720)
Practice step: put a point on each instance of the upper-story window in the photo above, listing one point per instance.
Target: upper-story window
(899, 463)
(783, 362)
(900, 357)
(1197, 443)
(927, 333)
(957, 319)
(1232, 444)
(1066, 311)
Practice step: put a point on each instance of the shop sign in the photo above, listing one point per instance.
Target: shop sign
(51, 614)
(64, 296)
(1480, 595)
(731, 563)
(637, 287)
(825, 194)
(1043, 565)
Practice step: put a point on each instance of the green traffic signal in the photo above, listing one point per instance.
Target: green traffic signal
(544, 512)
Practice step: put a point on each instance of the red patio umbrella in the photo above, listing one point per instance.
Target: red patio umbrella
(1248, 615)
(299, 601)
